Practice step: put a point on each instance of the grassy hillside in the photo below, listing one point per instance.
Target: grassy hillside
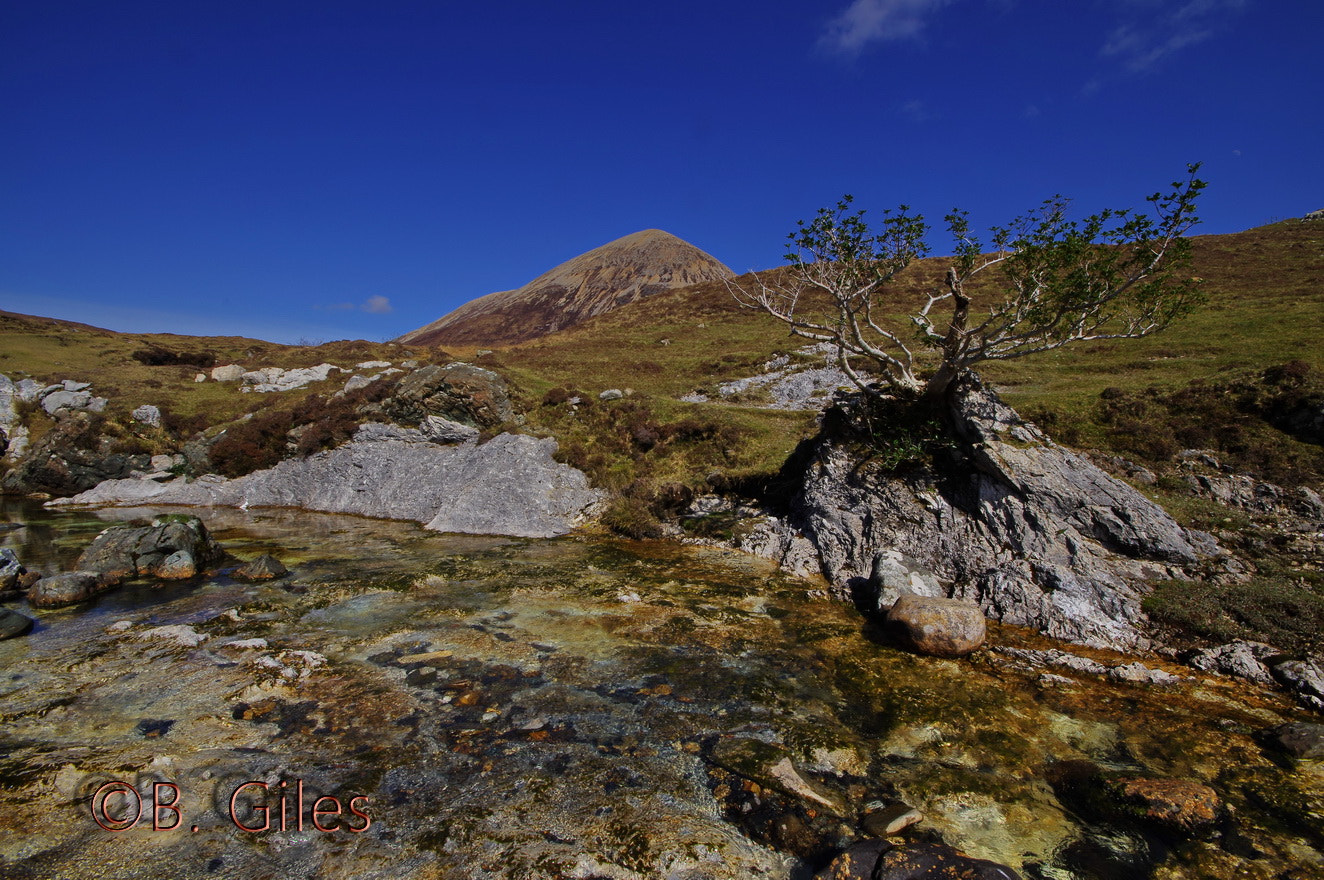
(1206, 383)
(1265, 290)
(49, 350)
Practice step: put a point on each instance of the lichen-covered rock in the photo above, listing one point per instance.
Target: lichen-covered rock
(178, 566)
(458, 392)
(68, 588)
(131, 551)
(1033, 532)
(940, 627)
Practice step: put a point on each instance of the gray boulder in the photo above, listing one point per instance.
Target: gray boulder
(227, 373)
(58, 400)
(895, 574)
(509, 485)
(1241, 659)
(457, 392)
(611, 394)
(1033, 532)
(939, 627)
(68, 588)
(148, 415)
(171, 547)
(1304, 679)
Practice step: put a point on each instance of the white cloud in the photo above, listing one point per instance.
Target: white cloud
(871, 21)
(1141, 44)
(377, 305)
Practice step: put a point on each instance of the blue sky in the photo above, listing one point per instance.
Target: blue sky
(321, 170)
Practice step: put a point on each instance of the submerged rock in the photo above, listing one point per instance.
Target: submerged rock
(1175, 806)
(941, 627)
(1172, 804)
(265, 568)
(68, 588)
(13, 624)
(880, 860)
(1299, 739)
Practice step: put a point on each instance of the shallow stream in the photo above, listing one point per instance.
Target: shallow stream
(577, 707)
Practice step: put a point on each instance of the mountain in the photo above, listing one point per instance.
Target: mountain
(605, 278)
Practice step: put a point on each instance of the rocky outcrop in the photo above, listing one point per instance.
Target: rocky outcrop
(71, 458)
(456, 392)
(1033, 532)
(272, 379)
(13, 435)
(508, 486)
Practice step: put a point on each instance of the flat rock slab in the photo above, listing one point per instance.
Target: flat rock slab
(509, 485)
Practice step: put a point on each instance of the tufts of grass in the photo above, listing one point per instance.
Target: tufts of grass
(1285, 612)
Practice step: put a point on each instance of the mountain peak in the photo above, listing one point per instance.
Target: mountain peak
(632, 267)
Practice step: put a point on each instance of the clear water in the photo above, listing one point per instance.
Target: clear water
(579, 707)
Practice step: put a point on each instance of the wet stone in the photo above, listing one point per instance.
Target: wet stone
(153, 728)
(13, 624)
(68, 588)
(264, 568)
(1298, 739)
(891, 820)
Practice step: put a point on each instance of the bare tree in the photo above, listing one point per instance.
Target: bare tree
(1116, 274)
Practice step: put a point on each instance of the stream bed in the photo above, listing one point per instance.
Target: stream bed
(406, 704)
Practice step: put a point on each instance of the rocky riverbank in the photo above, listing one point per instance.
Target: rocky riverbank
(578, 708)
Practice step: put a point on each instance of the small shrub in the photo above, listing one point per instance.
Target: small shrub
(632, 518)
(157, 356)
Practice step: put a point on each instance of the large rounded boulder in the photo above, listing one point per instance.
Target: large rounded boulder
(941, 627)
